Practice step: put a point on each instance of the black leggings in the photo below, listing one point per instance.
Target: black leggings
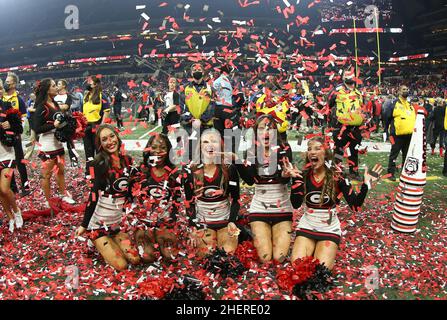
(353, 136)
(18, 150)
(118, 117)
(89, 145)
(401, 143)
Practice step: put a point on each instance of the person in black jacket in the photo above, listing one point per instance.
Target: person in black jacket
(51, 150)
(212, 198)
(65, 100)
(11, 95)
(8, 131)
(437, 116)
(107, 200)
(117, 101)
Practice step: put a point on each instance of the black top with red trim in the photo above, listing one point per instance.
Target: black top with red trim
(250, 173)
(214, 190)
(111, 181)
(311, 193)
(158, 190)
(44, 117)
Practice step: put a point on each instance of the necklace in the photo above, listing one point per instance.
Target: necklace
(317, 178)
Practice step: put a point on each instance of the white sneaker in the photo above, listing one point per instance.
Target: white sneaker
(11, 225)
(68, 200)
(18, 219)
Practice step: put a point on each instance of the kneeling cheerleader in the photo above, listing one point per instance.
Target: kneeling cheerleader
(212, 198)
(109, 193)
(321, 188)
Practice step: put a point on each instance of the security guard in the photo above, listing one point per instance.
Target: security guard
(400, 119)
(347, 116)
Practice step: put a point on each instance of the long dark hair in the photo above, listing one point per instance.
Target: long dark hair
(95, 94)
(103, 159)
(147, 150)
(331, 175)
(41, 91)
(273, 123)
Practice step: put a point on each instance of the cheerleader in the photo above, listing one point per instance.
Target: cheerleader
(51, 150)
(319, 230)
(270, 212)
(109, 191)
(212, 198)
(160, 192)
(7, 165)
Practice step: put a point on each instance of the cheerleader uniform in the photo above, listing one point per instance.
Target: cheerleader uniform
(109, 194)
(271, 201)
(218, 204)
(320, 221)
(7, 154)
(49, 146)
(161, 198)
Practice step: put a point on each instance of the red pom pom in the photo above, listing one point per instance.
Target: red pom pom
(247, 254)
(156, 288)
(299, 272)
(81, 125)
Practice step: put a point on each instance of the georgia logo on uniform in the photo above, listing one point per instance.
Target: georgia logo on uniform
(212, 193)
(315, 196)
(411, 166)
(157, 192)
(121, 185)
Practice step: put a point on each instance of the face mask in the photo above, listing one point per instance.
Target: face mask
(349, 82)
(405, 95)
(6, 87)
(197, 75)
(88, 87)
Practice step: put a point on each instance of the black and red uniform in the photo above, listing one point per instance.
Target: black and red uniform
(320, 220)
(218, 203)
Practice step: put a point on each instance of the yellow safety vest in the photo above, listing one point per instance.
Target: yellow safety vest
(197, 102)
(92, 112)
(279, 112)
(404, 116)
(349, 107)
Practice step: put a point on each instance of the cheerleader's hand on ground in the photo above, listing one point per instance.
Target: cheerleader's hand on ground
(80, 231)
(373, 176)
(233, 230)
(192, 241)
